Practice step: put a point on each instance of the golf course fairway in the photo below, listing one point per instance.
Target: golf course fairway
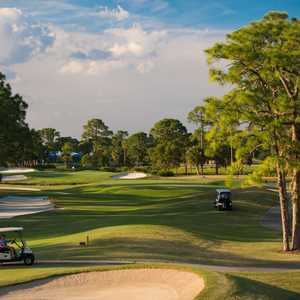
(150, 222)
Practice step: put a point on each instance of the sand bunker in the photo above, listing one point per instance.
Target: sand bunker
(16, 188)
(140, 284)
(13, 178)
(133, 175)
(13, 206)
(17, 171)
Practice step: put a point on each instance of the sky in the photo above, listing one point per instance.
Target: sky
(127, 62)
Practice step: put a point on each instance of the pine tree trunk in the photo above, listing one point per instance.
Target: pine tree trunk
(124, 158)
(197, 169)
(283, 207)
(295, 191)
(295, 210)
(217, 168)
(202, 171)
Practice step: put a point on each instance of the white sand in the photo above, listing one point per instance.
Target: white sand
(132, 175)
(13, 206)
(139, 284)
(13, 178)
(17, 171)
(16, 188)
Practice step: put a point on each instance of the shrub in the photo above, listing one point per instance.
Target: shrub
(166, 173)
(42, 167)
(124, 169)
(109, 169)
(142, 169)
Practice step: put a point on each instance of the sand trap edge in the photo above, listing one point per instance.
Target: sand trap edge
(130, 175)
(182, 284)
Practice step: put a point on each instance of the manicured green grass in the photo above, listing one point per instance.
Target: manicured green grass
(64, 177)
(155, 219)
(266, 286)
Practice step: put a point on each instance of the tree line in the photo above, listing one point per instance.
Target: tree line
(166, 147)
(258, 118)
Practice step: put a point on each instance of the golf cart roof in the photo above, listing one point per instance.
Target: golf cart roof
(219, 191)
(10, 229)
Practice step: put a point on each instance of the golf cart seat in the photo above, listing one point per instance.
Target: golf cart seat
(223, 199)
(9, 254)
(5, 253)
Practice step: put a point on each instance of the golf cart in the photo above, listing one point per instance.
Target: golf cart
(223, 201)
(16, 249)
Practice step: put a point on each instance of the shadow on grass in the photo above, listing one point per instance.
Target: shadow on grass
(194, 215)
(87, 210)
(251, 289)
(151, 249)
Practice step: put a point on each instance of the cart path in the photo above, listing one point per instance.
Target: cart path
(272, 219)
(220, 268)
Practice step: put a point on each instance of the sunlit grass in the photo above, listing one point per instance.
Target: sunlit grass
(155, 220)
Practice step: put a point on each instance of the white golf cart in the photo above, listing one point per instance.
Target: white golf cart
(16, 249)
(223, 199)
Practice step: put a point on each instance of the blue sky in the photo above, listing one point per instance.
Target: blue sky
(129, 63)
(191, 13)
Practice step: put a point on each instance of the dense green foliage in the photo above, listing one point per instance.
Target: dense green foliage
(263, 69)
(14, 132)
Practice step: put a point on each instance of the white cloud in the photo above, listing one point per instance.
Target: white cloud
(118, 13)
(128, 76)
(136, 39)
(145, 66)
(129, 48)
(113, 49)
(129, 92)
(20, 39)
(91, 67)
(73, 67)
(10, 13)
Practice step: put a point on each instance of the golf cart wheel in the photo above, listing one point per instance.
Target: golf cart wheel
(220, 208)
(29, 260)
